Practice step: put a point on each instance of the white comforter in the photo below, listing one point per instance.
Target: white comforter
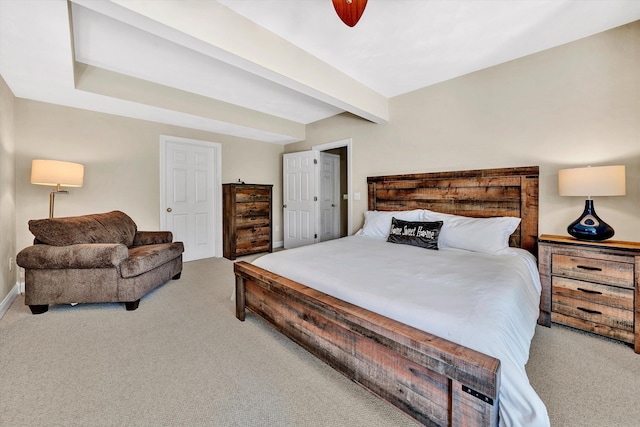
(486, 302)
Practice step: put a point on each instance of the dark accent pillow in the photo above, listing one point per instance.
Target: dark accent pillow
(415, 233)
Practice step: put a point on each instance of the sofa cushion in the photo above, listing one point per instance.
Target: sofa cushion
(109, 227)
(152, 237)
(145, 258)
(96, 255)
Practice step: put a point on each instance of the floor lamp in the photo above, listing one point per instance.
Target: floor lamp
(57, 174)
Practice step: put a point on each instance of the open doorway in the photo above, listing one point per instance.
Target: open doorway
(337, 157)
(342, 148)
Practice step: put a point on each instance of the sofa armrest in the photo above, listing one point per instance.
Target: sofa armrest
(86, 255)
(152, 238)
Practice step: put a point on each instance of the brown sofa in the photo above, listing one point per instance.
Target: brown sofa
(96, 258)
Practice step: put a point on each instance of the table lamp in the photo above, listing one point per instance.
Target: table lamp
(589, 182)
(58, 174)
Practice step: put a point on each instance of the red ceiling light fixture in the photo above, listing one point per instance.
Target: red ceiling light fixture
(349, 11)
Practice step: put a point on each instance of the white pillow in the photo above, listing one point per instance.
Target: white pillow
(486, 235)
(378, 223)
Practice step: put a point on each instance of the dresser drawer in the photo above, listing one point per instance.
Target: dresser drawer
(252, 234)
(253, 209)
(252, 194)
(251, 249)
(593, 269)
(250, 240)
(611, 296)
(252, 221)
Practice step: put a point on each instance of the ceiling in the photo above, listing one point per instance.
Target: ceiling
(263, 69)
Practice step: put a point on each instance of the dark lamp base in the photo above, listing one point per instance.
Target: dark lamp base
(589, 226)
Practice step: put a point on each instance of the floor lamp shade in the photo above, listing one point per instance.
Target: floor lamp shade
(57, 174)
(588, 182)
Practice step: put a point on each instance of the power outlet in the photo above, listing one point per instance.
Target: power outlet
(276, 228)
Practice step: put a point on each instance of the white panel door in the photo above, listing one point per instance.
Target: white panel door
(329, 198)
(299, 198)
(192, 202)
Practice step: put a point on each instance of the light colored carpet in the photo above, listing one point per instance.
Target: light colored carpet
(584, 379)
(182, 359)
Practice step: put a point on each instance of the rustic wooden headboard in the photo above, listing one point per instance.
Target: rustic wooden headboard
(476, 193)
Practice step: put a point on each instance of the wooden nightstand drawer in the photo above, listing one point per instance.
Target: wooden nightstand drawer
(594, 327)
(611, 296)
(599, 313)
(593, 269)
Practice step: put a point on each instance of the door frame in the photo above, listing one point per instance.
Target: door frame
(216, 183)
(339, 144)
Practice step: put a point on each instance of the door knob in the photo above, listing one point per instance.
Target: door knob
(333, 205)
(284, 206)
(169, 209)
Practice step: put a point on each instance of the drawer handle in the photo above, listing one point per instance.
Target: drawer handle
(589, 291)
(586, 267)
(589, 311)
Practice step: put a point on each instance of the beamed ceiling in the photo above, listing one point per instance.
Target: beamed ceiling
(263, 69)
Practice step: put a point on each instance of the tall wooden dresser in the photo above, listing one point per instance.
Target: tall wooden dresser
(247, 219)
(593, 286)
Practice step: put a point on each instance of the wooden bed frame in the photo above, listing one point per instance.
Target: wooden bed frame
(435, 381)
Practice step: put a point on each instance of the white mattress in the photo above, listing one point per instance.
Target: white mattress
(486, 302)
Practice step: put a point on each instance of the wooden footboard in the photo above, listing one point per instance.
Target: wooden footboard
(433, 380)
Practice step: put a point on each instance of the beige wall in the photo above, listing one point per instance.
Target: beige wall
(571, 106)
(7, 190)
(574, 105)
(121, 158)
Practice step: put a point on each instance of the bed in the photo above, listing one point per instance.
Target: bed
(441, 377)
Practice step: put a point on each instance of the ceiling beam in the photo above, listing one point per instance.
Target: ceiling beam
(215, 30)
(115, 85)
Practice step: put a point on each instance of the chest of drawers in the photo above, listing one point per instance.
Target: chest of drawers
(591, 286)
(247, 219)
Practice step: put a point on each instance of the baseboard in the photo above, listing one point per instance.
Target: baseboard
(8, 300)
(279, 244)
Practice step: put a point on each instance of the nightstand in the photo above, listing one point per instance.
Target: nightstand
(593, 286)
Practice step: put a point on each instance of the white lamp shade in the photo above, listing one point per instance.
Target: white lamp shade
(592, 181)
(54, 172)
